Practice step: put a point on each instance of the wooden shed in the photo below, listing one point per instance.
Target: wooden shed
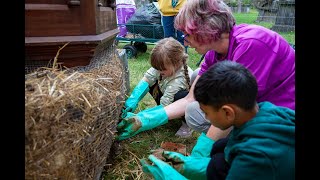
(75, 144)
(88, 25)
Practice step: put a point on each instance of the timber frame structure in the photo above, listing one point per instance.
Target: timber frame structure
(87, 25)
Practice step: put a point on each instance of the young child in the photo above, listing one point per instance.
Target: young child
(167, 80)
(261, 144)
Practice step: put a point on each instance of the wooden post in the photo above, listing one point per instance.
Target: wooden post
(88, 15)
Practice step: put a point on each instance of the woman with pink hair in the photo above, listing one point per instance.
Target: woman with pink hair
(210, 28)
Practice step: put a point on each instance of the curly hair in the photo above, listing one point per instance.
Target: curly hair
(206, 19)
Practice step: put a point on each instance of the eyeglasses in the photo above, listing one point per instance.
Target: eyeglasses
(184, 37)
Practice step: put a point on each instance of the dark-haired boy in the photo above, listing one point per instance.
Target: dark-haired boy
(261, 144)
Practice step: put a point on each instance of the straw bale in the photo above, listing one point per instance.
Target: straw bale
(70, 120)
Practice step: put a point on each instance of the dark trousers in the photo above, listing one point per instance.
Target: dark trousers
(180, 94)
(218, 167)
(157, 94)
(169, 30)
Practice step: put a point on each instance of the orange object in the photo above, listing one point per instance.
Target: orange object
(170, 146)
(176, 147)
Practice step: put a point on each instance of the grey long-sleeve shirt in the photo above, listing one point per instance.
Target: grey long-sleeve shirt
(169, 86)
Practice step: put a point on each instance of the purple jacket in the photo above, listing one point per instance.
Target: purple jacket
(268, 56)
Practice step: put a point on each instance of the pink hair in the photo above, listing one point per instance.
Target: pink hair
(206, 19)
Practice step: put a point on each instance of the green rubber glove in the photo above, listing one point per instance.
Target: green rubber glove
(203, 146)
(144, 120)
(189, 166)
(137, 94)
(160, 170)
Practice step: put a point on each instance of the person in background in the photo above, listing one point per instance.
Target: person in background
(261, 144)
(124, 10)
(169, 10)
(209, 27)
(167, 81)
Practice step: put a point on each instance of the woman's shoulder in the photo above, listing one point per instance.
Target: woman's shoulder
(252, 32)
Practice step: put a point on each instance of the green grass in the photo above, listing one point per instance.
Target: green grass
(126, 163)
(250, 18)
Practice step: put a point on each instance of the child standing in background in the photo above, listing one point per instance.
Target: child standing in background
(124, 10)
(169, 10)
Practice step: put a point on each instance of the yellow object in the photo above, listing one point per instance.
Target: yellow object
(166, 8)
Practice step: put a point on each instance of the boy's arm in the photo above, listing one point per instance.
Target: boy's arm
(215, 133)
(251, 164)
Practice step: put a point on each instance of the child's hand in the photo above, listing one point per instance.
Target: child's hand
(129, 126)
(189, 166)
(125, 111)
(133, 124)
(160, 169)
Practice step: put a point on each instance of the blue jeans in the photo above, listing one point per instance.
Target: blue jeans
(169, 30)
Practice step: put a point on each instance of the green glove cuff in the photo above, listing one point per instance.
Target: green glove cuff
(189, 166)
(137, 94)
(152, 118)
(197, 169)
(160, 170)
(203, 146)
(133, 124)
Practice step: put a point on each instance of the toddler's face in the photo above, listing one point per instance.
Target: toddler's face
(166, 73)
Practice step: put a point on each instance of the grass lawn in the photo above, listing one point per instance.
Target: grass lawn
(250, 18)
(125, 164)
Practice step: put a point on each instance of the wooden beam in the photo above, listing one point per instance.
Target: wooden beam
(45, 1)
(60, 40)
(78, 52)
(88, 16)
(39, 7)
(51, 20)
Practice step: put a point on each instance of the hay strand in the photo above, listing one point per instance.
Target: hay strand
(56, 57)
